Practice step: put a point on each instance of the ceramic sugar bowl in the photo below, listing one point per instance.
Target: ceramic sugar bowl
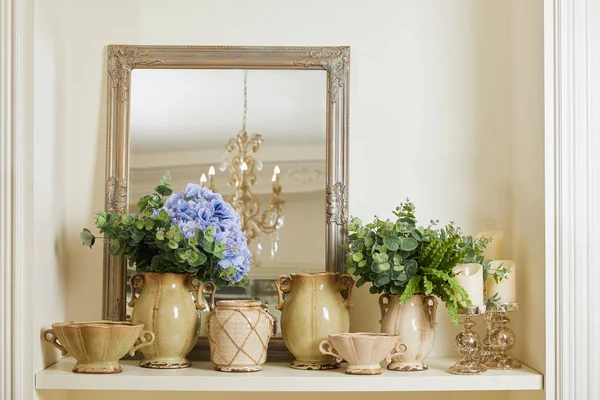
(98, 345)
(362, 351)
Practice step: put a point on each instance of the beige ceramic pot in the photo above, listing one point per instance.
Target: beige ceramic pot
(363, 351)
(414, 322)
(166, 307)
(97, 346)
(313, 310)
(238, 332)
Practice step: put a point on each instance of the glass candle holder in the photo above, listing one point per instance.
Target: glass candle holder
(467, 344)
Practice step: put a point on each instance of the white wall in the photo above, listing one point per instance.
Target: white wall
(527, 180)
(432, 113)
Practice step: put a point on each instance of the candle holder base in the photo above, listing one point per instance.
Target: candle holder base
(466, 344)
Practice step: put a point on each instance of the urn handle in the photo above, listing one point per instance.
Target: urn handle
(146, 338)
(384, 305)
(284, 285)
(137, 281)
(202, 289)
(346, 283)
(272, 320)
(431, 306)
(53, 340)
(325, 347)
(399, 349)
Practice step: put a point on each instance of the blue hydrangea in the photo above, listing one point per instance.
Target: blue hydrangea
(198, 207)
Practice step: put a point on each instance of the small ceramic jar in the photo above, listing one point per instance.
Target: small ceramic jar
(238, 332)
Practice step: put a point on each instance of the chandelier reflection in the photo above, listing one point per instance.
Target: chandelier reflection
(242, 159)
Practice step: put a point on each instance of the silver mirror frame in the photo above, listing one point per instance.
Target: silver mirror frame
(122, 59)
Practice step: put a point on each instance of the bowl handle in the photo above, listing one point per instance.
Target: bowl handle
(146, 339)
(325, 347)
(399, 349)
(53, 340)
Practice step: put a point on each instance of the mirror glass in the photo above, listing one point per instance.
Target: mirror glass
(181, 122)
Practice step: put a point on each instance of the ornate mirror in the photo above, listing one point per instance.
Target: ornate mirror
(207, 114)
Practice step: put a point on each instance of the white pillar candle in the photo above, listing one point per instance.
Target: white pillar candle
(470, 277)
(506, 288)
(494, 249)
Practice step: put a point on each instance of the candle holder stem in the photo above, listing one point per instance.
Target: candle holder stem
(466, 344)
(487, 352)
(502, 340)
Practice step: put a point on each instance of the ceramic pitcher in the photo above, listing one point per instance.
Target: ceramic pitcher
(238, 332)
(166, 307)
(414, 322)
(313, 310)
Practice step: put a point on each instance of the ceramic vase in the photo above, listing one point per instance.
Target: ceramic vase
(314, 309)
(238, 332)
(167, 308)
(414, 322)
(98, 345)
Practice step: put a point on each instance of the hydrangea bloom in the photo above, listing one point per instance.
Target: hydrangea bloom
(198, 207)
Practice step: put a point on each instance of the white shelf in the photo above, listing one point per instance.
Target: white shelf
(278, 377)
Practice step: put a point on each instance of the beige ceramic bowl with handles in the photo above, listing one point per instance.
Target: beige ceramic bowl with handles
(98, 345)
(362, 351)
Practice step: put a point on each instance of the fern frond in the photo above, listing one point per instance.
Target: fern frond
(412, 287)
(428, 285)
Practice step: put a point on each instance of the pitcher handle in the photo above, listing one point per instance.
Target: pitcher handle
(431, 306)
(399, 349)
(53, 340)
(347, 283)
(384, 305)
(201, 290)
(272, 320)
(142, 341)
(284, 285)
(325, 347)
(135, 284)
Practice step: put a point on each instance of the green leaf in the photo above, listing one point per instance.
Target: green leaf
(139, 224)
(360, 282)
(351, 270)
(382, 280)
(409, 244)
(172, 244)
(385, 266)
(375, 267)
(391, 242)
(412, 288)
(149, 224)
(357, 257)
(115, 248)
(163, 190)
(362, 263)
(100, 219)
(87, 238)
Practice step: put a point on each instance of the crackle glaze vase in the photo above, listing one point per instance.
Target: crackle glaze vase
(166, 307)
(98, 345)
(414, 322)
(238, 333)
(312, 308)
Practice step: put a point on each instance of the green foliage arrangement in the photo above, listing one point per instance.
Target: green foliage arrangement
(402, 258)
(193, 231)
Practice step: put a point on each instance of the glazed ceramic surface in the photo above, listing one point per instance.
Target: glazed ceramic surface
(363, 351)
(97, 346)
(166, 307)
(238, 333)
(414, 322)
(313, 310)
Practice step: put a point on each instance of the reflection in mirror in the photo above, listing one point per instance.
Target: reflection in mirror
(258, 137)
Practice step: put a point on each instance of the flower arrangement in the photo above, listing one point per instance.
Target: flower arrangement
(402, 258)
(192, 231)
